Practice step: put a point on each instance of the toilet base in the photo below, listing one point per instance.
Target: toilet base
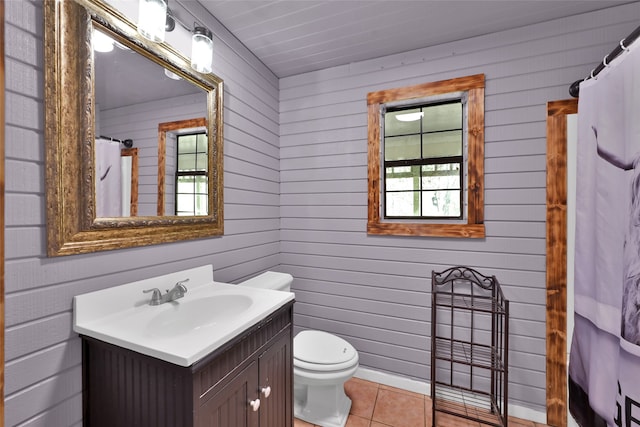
(325, 406)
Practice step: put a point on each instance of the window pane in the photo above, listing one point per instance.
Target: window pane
(402, 147)
(442, 117)
(445, 176)
(405, 203)
(441, 203)
(186, 144)
(203, 145)
(201, 184)
(202, 160)
(186, 184)
(394, 126)
(187, 162)
(201, 206)
(442, 144)
(402, 178)
(185, 204)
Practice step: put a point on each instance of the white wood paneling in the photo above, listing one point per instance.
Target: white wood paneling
(294, 37)
(375, 290)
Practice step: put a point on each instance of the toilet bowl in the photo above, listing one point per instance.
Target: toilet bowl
(322, 363)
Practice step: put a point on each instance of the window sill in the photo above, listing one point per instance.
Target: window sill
(473, 231)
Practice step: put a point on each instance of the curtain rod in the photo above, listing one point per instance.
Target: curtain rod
(574, 89)
(128, 143)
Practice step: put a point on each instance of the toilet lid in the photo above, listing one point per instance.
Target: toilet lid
(322, 348)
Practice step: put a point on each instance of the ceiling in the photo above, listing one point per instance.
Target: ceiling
(297, 36)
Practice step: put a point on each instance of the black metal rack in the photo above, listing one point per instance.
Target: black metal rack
(469, 346)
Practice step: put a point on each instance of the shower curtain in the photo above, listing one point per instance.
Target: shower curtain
(604, 367)
(108, 179)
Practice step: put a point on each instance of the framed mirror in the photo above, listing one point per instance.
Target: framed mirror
(95, 99)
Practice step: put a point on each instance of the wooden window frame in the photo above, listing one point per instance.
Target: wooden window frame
(163, 128)
(474, 227)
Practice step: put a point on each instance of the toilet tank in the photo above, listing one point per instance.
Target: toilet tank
(270, 280)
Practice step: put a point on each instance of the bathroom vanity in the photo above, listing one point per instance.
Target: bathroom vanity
(244, 379)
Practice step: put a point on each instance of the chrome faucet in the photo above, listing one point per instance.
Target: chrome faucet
(158, 298)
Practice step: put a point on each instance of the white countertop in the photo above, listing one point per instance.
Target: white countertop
(182, 331)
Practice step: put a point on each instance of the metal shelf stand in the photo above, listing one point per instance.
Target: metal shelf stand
(469, 346)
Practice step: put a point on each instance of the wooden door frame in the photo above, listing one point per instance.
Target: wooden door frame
(557, 111)
(133, 153)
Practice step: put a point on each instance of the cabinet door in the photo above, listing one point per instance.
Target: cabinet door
(276, 383)
(232, 405)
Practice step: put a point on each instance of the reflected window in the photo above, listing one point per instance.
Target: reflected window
(192, 174)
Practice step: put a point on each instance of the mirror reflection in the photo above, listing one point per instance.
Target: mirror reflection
(134, 98)
(114, 93)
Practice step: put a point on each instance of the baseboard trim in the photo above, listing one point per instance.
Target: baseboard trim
(424, 387)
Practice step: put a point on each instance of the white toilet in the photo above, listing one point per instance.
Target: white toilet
(322, 363)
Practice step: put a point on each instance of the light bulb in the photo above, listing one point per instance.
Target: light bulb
(101, 42)
(409, 117)
(202, 50)
(152, 17)
(171, 75)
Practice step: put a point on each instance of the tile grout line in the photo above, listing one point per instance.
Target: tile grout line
(375, 402)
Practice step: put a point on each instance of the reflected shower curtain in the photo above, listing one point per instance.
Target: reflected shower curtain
(604, 367)
(108, 179)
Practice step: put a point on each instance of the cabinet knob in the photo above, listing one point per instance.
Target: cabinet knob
(255, 404)
(266, 391)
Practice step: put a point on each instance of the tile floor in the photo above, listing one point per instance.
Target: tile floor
(376, 405)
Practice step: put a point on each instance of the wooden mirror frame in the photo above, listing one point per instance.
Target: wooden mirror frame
(72, 226)
(557, 407)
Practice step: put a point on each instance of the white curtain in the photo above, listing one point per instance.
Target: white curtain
(604, 366)
(108, 179)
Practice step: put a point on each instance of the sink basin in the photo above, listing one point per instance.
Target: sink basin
(182, 317)
(182, 331)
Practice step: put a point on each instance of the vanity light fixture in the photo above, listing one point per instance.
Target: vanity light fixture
(171, 74)
(152, 18)
(202, 50)
(155, 18)
(101, 42)
(410, 117)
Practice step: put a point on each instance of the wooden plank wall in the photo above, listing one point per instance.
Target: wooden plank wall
(43, 371)
(374, 290)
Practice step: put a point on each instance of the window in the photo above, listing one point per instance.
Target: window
(426, 159)
(192, 174)
(423, 162)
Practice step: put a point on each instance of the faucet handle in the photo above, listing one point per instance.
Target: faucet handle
(180, 285)
(156, 297)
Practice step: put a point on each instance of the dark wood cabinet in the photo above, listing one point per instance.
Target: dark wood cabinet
(230, 406)
(246, 383)
(276, 384)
